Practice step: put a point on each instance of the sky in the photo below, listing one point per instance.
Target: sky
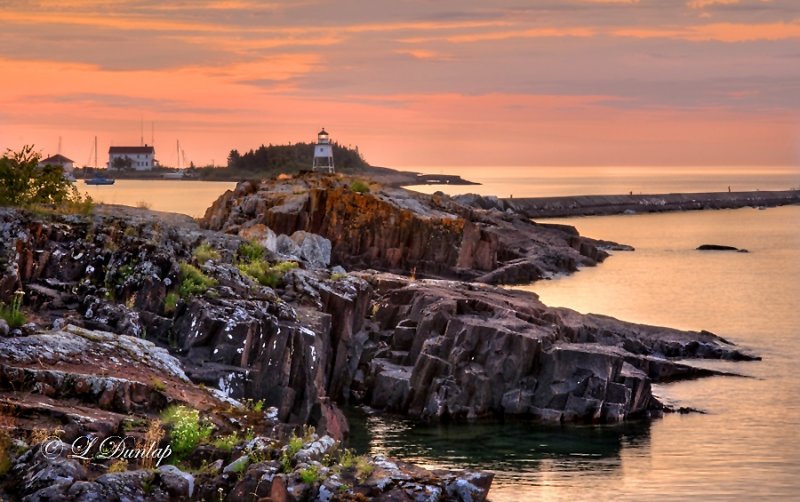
(410, 82)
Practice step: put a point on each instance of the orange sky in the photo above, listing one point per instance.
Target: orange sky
(573, 82)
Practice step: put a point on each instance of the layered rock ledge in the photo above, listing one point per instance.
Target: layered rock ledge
(395, 230)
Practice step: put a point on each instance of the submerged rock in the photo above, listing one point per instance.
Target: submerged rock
(719, 247)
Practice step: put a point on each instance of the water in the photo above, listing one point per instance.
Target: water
(554, 181)
(176, 196)
(193, 197)
(745, 444)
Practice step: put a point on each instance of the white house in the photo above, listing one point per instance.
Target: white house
(59, 160)
(141, 158)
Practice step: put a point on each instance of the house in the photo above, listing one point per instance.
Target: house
(59, 160)
(138, 158)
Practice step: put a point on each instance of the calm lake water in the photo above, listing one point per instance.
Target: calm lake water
(554, 181)
(746, 445)
(176, 196)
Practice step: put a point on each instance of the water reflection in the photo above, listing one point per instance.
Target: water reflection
(520, 452)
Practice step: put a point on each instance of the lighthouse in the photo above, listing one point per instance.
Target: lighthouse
(323, 153)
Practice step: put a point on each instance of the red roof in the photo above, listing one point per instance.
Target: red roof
(56, 159)
(131, 149)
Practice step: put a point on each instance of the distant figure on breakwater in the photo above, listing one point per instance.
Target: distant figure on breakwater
(729, 189)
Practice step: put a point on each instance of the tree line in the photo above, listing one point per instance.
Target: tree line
(291, 157)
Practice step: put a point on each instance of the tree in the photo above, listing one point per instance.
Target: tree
(122, 163)
(23, 182)
(233, 159)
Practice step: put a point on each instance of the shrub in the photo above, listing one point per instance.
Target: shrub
(24, 183)
(226, 443)
(205, 252)
(186, 429)
(310, 475)
(193, 281)
(359, 186)
(251, 251)
(363, 468)
(13, 314)
(266, 274)
(295, 445)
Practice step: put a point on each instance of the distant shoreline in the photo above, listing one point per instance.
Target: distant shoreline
(601, 205)
(384, 175)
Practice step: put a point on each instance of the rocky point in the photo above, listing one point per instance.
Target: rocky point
(304, 296)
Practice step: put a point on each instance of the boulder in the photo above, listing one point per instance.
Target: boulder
(261, 234)
(313, 248)
(719, 247)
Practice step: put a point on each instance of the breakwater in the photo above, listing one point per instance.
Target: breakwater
(591, 205)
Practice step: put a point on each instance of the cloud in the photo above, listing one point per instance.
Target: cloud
(702, 4)
(424, 54)
(722, 32)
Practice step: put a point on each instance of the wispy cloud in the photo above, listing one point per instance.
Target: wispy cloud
(235, 73)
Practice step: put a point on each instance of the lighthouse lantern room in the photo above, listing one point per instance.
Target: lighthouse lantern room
(323, 153)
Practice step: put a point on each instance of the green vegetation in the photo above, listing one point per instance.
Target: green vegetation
(186, 429)
(363, 468)
(274, 159)
(251, 251)
(338, 276)
(193, 281)
(310, 475)
(294, 445)
(5, 452)
(158, 385)
(205, 252)
(226, 443)
(359, 186)
(266, 274)
(23, 183)
(361, 464)
(171, 302)
(253, 264)
(13, 314)
(118, 465)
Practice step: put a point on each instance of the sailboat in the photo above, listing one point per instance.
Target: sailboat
(97, 179)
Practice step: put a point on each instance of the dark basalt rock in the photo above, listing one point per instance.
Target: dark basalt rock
(719, 247)
(397, 230)
(452, 350)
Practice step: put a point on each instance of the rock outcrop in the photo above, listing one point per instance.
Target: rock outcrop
(719, 247)
(442, 349)
(397, 230)
(131, 310)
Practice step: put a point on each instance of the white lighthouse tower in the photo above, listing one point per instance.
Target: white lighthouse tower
(323, 153)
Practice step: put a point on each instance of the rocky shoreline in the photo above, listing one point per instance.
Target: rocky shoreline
(303, 295)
